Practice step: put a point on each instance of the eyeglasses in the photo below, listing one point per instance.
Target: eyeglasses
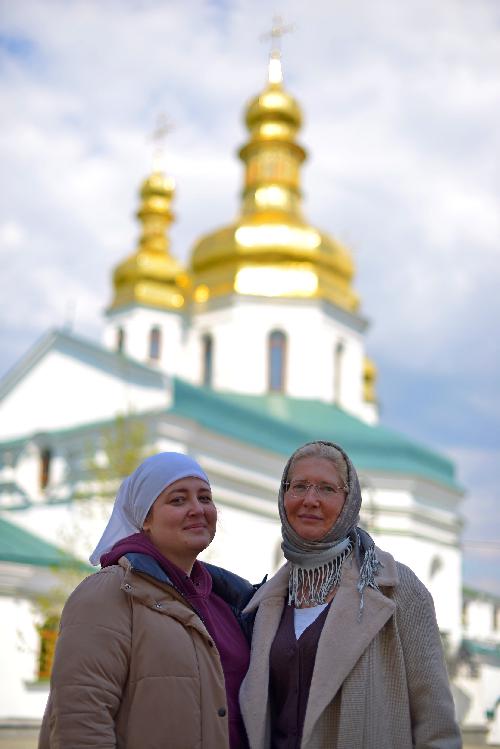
(299, 489)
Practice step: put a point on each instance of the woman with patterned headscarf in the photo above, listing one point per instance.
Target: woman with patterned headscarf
(150, 652)
(346, 652)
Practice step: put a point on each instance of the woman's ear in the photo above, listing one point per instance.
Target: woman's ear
(147, 520)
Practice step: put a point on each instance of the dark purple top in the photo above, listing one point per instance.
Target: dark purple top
(216, 615)
(291, 670)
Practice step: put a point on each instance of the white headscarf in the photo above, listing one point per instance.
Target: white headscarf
(138, 492)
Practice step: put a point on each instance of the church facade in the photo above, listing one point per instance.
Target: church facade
(254, 347)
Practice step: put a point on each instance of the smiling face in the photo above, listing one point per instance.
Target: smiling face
(182, 520)
(312, 516)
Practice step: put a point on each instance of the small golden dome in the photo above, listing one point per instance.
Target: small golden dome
(157, 185)
(274, 104)
(369, 380)
(151, 276)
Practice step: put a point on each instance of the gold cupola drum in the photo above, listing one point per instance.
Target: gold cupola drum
(271, 250)
(151, 276)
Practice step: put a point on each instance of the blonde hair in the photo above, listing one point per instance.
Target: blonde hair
(321, 450)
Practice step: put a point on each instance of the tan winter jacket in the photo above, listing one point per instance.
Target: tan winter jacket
(377, 684)
(134, 669)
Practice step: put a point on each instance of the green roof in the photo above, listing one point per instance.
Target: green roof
(21, 547)
(490, 650)
(281, 424)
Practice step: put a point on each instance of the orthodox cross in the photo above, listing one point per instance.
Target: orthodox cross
(278, 29)
(158, 136)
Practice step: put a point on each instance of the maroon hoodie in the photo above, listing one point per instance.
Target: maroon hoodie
(214, 612)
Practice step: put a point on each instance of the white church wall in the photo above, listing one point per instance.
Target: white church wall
(241, 330)
(444, 584)
(84, 393)
(416, 521)
(20, 695)
(137, 323)
(74, 526)
(482, 619)
(479, 690)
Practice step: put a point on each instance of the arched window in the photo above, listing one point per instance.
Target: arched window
(45, 458)
(207, 356)
(120, 340)
(48, 632)
(337, 372)
(155, 343)
(276, 359)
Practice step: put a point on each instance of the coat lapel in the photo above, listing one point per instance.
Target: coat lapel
(344, 637)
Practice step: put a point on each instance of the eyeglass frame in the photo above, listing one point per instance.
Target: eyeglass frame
(318, 488)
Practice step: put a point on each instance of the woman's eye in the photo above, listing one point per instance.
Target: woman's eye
(327, 489)
(206, 499)
(176, 500)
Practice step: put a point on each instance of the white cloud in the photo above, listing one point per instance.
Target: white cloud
(11, 236)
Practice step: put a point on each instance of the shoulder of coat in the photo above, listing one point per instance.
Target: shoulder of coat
(101, 590)
(410, 586)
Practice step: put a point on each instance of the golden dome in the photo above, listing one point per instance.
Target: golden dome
(271, 250)
(369, 380)
(151, 276)
(273, 107)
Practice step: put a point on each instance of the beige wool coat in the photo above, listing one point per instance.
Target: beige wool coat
(378, 683)
(134, 668)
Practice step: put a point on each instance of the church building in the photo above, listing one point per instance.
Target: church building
(252, 348)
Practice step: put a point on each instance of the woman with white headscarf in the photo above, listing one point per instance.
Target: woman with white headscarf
(151, 652)
(346, 652)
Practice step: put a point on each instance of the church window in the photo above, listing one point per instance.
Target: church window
(465, 613)
(120, 340)
(207, 359)
(45, 458)
(435, 566)
(155, 344)
(277, 356)
(48, 632)
(337, 371)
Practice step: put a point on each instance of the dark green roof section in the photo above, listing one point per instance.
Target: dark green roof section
(487, 649)
(22, 547)
(279, 423)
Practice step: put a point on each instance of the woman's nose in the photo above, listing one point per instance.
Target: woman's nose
(311, 495)
(195, 506)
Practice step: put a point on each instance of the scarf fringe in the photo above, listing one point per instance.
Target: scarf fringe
(310, 586)
(369, 569)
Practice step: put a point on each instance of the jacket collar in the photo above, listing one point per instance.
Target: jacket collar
(150, 585)
(145, 564)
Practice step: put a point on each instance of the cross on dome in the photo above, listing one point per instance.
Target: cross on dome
(278, 30)
(163, 127)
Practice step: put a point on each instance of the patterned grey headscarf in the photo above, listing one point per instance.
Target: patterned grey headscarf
(316, 566)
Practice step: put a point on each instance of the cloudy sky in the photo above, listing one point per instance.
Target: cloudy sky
(402, 105)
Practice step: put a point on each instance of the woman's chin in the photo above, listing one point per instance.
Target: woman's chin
(310, 534)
